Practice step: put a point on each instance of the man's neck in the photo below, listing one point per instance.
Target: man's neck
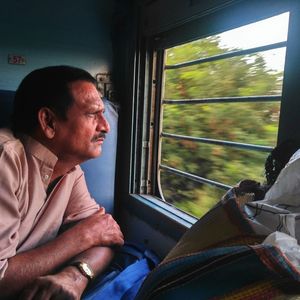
(61, 168)
(63, 164)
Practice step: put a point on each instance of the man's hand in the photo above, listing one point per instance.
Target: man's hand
(66, 285)
(101, 230)
(81, 241)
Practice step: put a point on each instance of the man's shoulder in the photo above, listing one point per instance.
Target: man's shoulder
(8, 141)
(6, 134)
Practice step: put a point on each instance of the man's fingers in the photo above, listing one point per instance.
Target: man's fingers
(42, 294)
(102, 230)
(28, 293)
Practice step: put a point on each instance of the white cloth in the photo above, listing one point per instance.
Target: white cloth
(278, 214)
(286, 189)
(287, 245)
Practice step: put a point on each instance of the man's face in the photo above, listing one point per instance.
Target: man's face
(81, 135)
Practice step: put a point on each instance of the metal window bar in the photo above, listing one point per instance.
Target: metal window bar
(265, 98)
(195, 177)
(226, 55)
(218, 142)
(250, 99)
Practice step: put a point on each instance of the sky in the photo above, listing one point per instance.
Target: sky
(268, 31)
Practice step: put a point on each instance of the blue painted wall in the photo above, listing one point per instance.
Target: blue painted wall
(54, 32)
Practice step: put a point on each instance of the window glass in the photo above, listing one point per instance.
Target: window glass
(250, 82)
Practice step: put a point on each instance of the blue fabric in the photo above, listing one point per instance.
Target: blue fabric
(124, 277)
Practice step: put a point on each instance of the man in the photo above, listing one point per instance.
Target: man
(54, 238)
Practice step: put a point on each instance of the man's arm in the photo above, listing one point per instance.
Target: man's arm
(70, 282)
(96, 230)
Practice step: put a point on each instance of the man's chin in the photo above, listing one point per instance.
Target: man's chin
(94, 153)
(97, 153)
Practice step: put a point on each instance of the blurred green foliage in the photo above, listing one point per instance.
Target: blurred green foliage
(253, 123)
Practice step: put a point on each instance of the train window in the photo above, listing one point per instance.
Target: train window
(220, 105)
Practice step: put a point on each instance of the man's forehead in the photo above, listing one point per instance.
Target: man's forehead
(91, 103)
(85, 93)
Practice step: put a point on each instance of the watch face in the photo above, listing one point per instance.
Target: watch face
(86, 269)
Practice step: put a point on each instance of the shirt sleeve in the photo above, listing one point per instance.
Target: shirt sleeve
(81, 204)
(9, 206)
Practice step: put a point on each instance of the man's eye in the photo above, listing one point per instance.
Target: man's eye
(95, 114)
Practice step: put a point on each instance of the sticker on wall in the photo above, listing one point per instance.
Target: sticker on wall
(16, 59)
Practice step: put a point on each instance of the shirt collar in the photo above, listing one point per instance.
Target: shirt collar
(39, 151)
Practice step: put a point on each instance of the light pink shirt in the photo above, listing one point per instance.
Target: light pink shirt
(28, 217)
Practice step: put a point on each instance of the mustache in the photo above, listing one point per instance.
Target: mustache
(101, 135)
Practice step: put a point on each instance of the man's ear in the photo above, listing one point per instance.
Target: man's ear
(47, 120)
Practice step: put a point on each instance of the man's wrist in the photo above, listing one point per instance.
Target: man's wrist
(77, 280)
(76, 276)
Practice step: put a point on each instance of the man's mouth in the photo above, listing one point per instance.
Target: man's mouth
(99, 138)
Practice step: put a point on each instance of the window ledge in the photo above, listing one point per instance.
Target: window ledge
(163, 208)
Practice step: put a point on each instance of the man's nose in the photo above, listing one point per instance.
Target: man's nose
(103, 124)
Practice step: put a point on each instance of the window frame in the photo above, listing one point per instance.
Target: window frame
(145, 180)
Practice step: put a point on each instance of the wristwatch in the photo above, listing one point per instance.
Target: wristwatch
(84, 269)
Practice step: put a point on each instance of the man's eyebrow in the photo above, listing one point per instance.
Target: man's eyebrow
(95, 107)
